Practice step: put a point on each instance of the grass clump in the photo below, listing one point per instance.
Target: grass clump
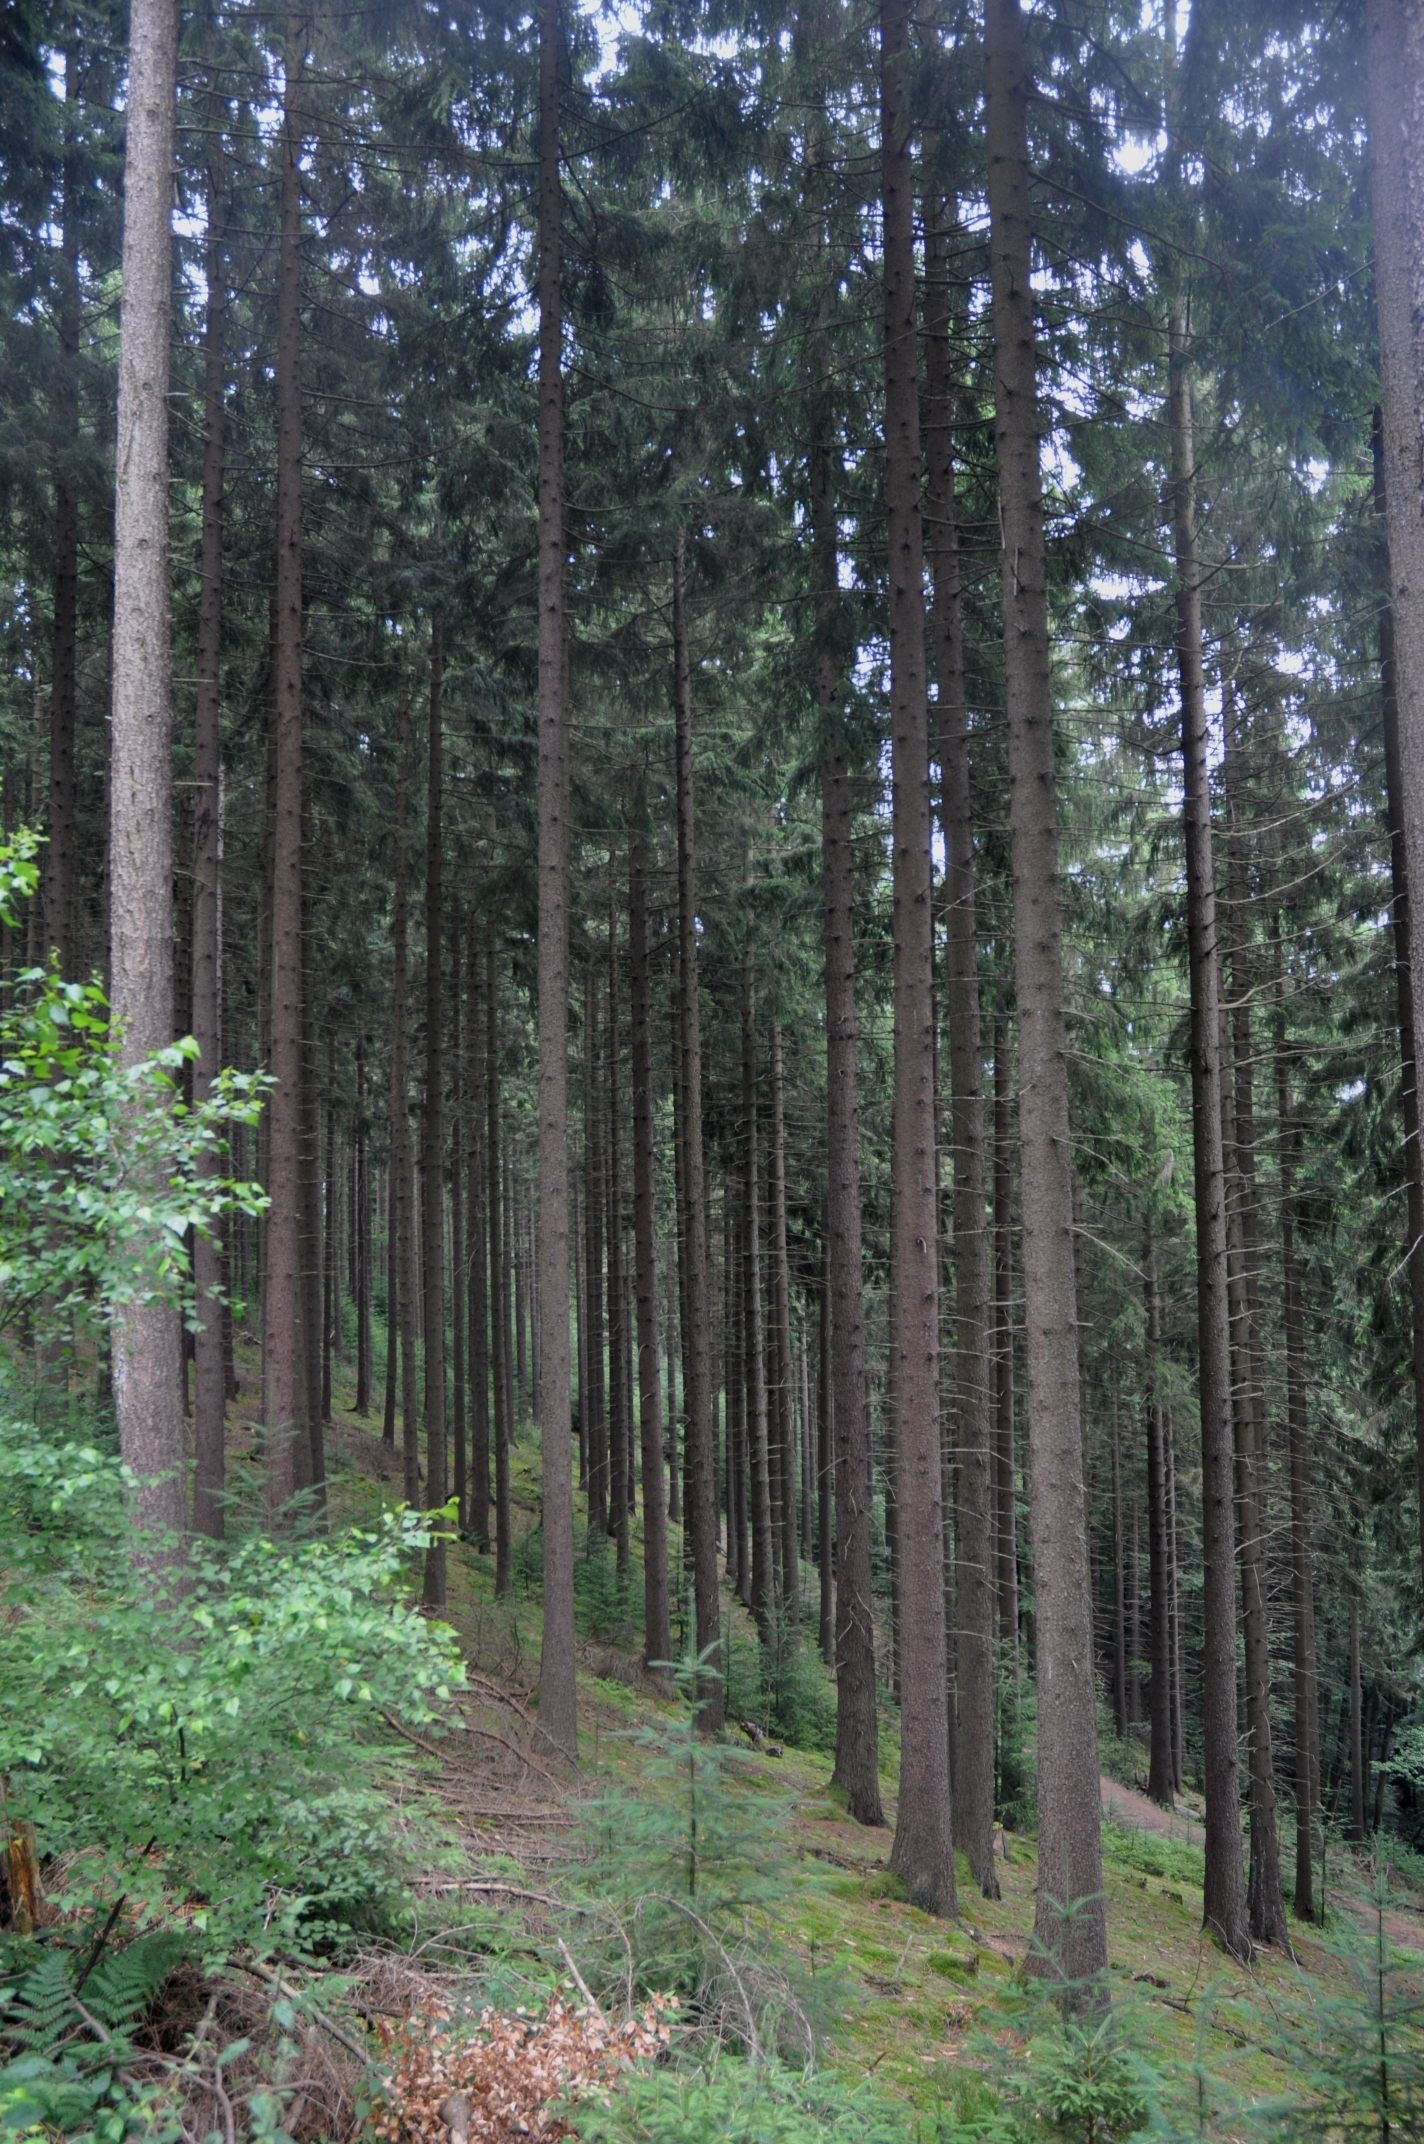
(1173, 1860)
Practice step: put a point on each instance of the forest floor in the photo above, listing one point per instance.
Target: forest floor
(917, 2002)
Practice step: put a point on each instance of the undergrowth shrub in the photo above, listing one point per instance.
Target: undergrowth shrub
(506, 2075)
(1174, 1860)
(730, 2101)
(217, 1751)
(606, 1607)
(67, 2024)
(783, 1685)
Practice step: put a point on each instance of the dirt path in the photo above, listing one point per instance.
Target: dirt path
(1126, 1806)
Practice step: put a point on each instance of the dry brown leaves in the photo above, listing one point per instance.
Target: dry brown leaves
(511, 2070)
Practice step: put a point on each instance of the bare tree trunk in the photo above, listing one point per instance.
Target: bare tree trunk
(1307, 1714)
(282, 1336)
(1069, 1921)
(498, 1288)
(619, 1411)
(330, 1290)
(400, 1308)
(432, 1141)
(973, 1449)
(1119, 1578)
(1265, 1903)
(781, 1313)
(1224, 1904)
(459, 1247)
(763, 1583)
(1357, 1732)
(597, 1414)
(210, 1370)
(825, 1466)
(362, 1163)
(657, 1628)
(1161, 1767)
(701, 1454)
(1004, 1459)
(921, 1853)
(146, 1354)
(1394, 45)
(476, 1207)
(59, 851)
(736, 1381)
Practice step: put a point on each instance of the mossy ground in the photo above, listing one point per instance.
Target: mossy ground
(912, 1998)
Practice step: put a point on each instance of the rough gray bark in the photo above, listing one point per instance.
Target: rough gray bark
(477, 1222)
(701, 1444)
(1306, 1671)
(432, 1136)
(594, 1401)
(1069, 1920)
(459, 1247)
(361, 1164)
(498, 1285)
(921, 1853)
(59, 850)
(400, 1328)
(210, 1370)
(781, 1318)
(1007, 1526)
(1224, 1901)
(146, 1350)
(619, 1408)
(657, 1628)
(1161, 1767)
(763, 1572)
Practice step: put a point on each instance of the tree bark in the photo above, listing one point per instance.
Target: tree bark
(973, 1451)
(1307, 1711)
(1357, 1731)
(361, 1135)
(1007, 1529)
(1224, 1903)
(59, 851)
(210, 1370)
(763, 1574)
(594, 1202)
(921, 1853)
(498, 1288)
(476, 1204)
(657, 1627)
(146, 1355)
(1161, 1766)
(701, 1445)
(1069, 1920)
(619, 1410)
(825, 1466)
(282, 1335)
(781, 1313)
(400, 1312)
(432, 1140)
(856, 1770)
(459, 1247)
(1394, 47)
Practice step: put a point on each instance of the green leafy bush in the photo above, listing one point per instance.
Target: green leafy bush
(222, 1746)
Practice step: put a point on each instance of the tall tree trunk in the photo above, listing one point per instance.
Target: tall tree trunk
(735, 1378)
(1265, 1903)
(1307, 1714)
(619, 1411)
(459, 1248)
(671, 1293)
(330, 1288)
(1394, 46)
(282, 1335)
(432, 1140)
(701, 1444)
(312, 1451)
(1007, 1529)
(210, 1370)
(1161, 1766)
(1069, 1920)
(921, 1853)
(362, 1164)
(593, 1179)
(973, 1450)
(1357, 1731)
(763, 1585)
(146, 1352)
(657, 1628)
(857, 1770)
(1224, 1903)
(476, 1205)
(388, 1416)
(1119, 1578)
(781, 1314)
(59, 851)
(400, 1319)
(498, 1286)
(825, 1466)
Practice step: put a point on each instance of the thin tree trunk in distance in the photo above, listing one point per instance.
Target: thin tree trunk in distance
(657, 1628)
(593, 1201)
(781, 1312)
(478, 1494)
(1307, 1712)
(1357, 1732)
(763, 1578)
(1069, 1920)
(1224, 1903)
(210, 1370)
(701, 1455)
(59, 850)
(1161, 1767)
(498, 1288)
(1004, 1459)
(362, 1141)
(400, 1327)
(146, 1357)
(921, 1853)
(619, 1413)
(459, 1249)
(973, 1447)
(432, 1144)
(856, 1770)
